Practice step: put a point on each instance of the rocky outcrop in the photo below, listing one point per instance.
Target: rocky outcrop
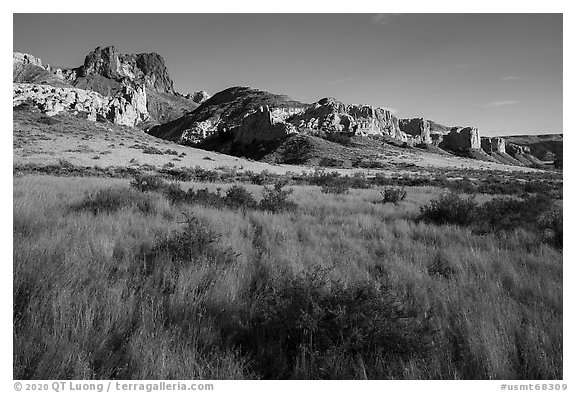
(330, 115)
(263, 125)
(461, 139)
(146, 68)
(198, 96)
(417, 128)
(139, 85)
(514, 149)
(127, 108)
(26, 59)
(30, 69)
(493, 145)
(225, 112)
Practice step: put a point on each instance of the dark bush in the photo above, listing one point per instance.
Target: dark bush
(192, 243)
(205, 197)
(152, 150)
(538, 214)
(449, 209)
(464, 185)
(551, 224)
(392, 195)
(309, 326)
(510, 213)
(338, 186)
(110, 200)
(237, 197)
(174, 193)
(276, 200)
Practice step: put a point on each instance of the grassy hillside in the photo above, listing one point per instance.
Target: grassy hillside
(114, 282)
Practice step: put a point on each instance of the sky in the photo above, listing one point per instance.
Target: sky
(501, 73)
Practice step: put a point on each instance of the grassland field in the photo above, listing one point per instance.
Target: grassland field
(340, 287)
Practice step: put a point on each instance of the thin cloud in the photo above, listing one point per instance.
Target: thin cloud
(496, 104)
(382, 19)
(509, 78)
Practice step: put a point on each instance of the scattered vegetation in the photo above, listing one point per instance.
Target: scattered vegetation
(449, 209)
(275, 199)
(341, 288)
(392, 195)
(513, 184)
(110, 200)
(537, 214)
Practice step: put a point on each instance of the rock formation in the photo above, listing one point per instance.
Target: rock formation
(126, 109)
(24, 58)
(330, 115)
(30, 69)
(225, 112)
(493, 145)
(147, 68)
(198, 96)
(262, 125)
(417, 128)
(139, 86)
(514, 149)
(461, 139)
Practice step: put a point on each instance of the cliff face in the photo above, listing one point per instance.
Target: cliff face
(460, 139)
(146, 68)
(263, 125)
(250, 115)
(417, 128)
(330, 115)
(493, 145)
(127, 108)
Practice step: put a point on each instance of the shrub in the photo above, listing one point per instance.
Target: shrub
(509, 213)
(193, 243)
(276, 200)
(309, 326)
(551, 223)
(152, 150)
(449, 209)
(338, 186)
(260, 178)
(147, 182)
(174, 193)
(110, 200)
(537, 214)
(65, 164)
(237, 197)
(392, 195)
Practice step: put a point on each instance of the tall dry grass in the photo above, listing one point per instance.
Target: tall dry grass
(340, 288)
